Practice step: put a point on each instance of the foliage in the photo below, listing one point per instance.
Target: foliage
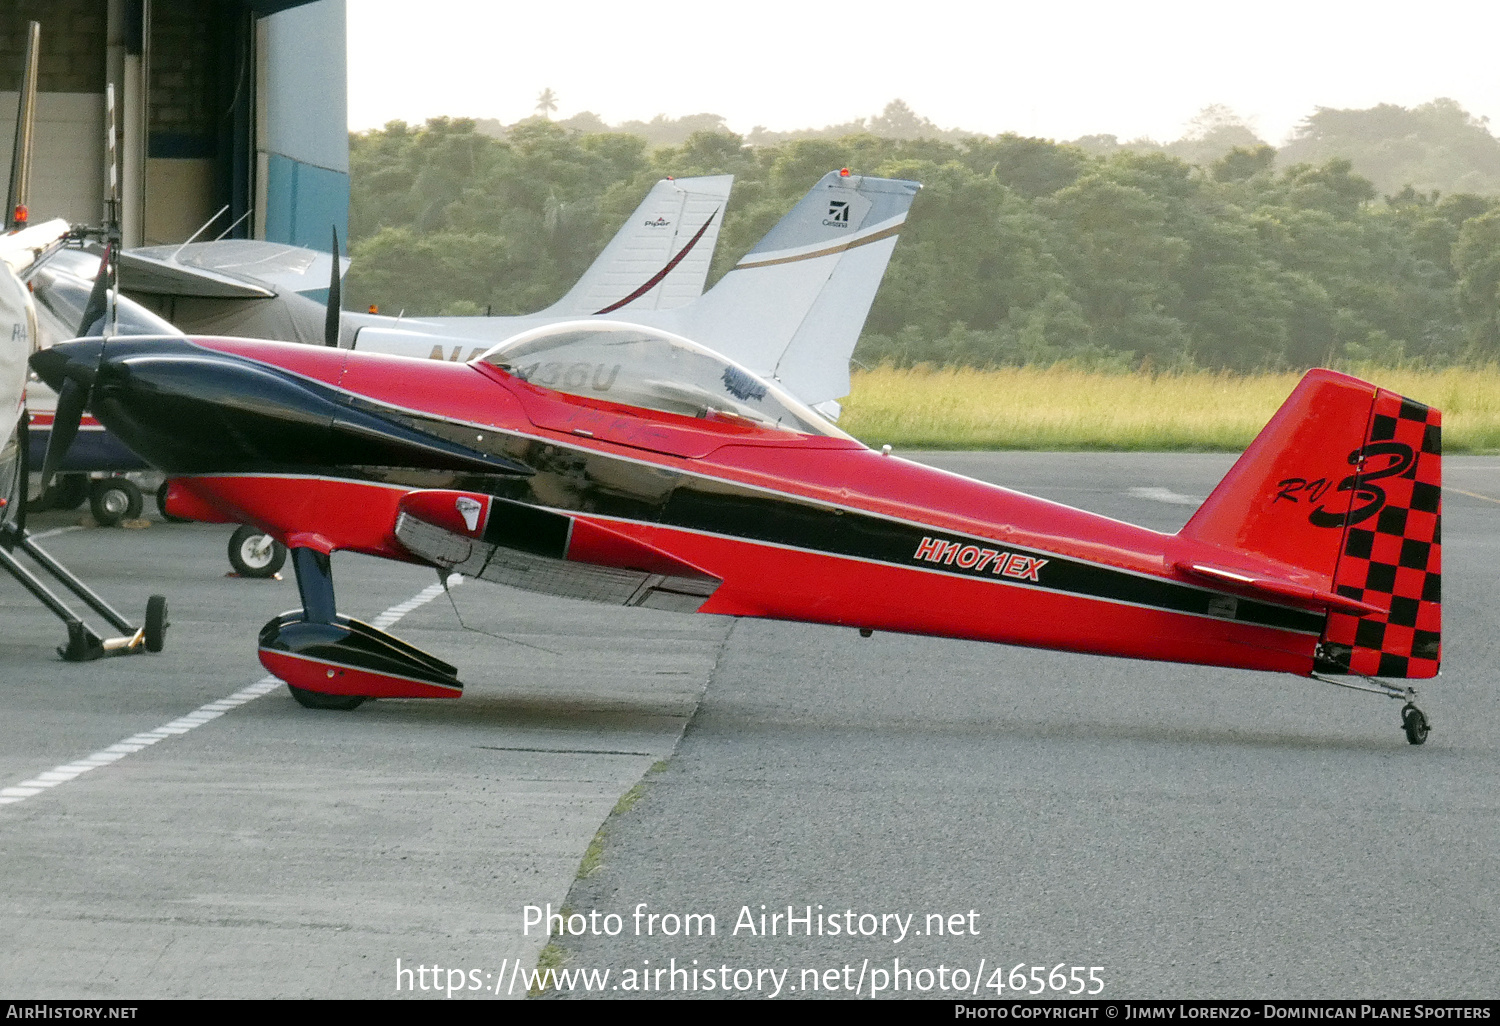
(1437, 145)
(1018, 251)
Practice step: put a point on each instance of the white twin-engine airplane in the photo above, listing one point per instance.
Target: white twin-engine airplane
(791, 310)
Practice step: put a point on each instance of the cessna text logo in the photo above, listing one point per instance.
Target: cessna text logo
(977, 560)
(838, 214)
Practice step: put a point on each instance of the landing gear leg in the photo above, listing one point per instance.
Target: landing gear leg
(315, 585)
(1413, 720)
(335, 662)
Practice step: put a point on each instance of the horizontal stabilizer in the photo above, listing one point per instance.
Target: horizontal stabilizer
(226, 269)
(1272, 589)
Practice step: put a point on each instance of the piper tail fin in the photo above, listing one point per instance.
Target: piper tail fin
(659, 259)
(793, 308)
(1343, 490)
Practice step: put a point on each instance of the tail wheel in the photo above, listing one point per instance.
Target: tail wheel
(1414, 722)
(113, 499)
(156, 623)
(253, 553)
(318, 700)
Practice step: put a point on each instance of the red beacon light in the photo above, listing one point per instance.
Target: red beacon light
(843, 172)
(21, 215)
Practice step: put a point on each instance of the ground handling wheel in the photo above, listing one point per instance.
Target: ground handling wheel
(156, 623)
(1414, 722)
(113, 499)
(253, 553)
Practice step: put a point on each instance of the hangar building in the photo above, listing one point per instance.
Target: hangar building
(220, 103)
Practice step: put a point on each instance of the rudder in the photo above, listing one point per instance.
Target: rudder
(1392, 555)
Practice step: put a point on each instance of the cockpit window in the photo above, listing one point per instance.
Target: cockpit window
(639, 366)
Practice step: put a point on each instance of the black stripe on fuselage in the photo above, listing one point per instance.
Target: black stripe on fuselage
(432, 452)
(587, 481)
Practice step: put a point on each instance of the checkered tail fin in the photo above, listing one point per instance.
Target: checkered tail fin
(1341, 493)
(1393, 558)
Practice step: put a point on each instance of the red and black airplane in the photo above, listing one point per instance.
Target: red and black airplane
(623, 464)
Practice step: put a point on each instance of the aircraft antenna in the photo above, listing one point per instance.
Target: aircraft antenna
(450, 581)
(194, 237)
(238, 221)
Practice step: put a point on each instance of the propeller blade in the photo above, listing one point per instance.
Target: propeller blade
(70, 403)
(335, 299)
(98, 302)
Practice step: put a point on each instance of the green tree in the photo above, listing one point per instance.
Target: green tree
(1476, 261)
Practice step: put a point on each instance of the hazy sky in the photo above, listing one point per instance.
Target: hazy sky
(1060, 69)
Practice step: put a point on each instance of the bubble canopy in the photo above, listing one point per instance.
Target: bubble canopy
(636, 365)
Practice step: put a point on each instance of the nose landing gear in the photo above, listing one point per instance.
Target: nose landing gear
(334, 662)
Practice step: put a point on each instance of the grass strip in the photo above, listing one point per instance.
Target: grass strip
(1062, 408)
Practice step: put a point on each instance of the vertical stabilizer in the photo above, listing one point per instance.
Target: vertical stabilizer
(659, 259)
(1341, 494)
(794, 307)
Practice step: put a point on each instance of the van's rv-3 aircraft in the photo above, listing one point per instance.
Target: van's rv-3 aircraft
(626, 464)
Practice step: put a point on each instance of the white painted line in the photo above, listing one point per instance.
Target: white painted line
(55, 532)
(1166, 495)
(203, 714)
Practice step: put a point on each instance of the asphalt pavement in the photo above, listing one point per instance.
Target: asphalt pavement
(1173, 831)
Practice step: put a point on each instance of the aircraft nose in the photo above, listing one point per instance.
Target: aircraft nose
(77, 360)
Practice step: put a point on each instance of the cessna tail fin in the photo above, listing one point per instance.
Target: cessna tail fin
(1340, 496)
(793, 307)
(659, 258)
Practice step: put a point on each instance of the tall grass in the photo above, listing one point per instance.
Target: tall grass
(1061, 407)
